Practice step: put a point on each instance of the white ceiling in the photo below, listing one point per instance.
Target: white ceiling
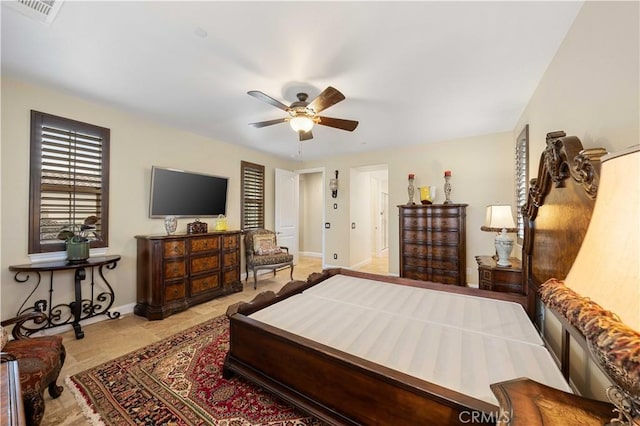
(412, 72)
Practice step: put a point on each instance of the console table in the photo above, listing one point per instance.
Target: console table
(79, 309)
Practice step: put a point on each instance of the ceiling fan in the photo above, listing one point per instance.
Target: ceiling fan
(303, 115)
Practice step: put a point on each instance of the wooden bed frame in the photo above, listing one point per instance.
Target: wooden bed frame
(558, 211)
(339, 388)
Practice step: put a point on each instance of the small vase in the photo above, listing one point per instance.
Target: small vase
(170, 224)
(447, 190)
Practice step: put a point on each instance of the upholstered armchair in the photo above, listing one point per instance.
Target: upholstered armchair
(263, 252)
(39, 360)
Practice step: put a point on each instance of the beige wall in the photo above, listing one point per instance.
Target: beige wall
(136, 145)
(482, 169)
(591, 88)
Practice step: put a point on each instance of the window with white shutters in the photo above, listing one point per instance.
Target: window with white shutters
(522, 178)
(69, 181)
(252, 197)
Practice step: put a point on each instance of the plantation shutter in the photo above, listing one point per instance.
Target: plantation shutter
(69, 172)
(522, 178)
(252, 196)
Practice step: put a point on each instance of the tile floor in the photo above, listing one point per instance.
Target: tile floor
(109, 339)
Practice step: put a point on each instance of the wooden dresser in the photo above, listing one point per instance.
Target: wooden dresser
(177, 271)
(433, 243)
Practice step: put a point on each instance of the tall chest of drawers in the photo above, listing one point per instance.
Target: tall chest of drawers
(433, 243)
(175, 272)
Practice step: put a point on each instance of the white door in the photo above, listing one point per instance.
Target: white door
(286, 214)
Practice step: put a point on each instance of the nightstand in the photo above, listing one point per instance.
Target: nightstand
(507, 279)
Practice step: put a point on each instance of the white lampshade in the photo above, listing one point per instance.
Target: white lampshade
(499, 216)
(499, 219)
(301, 123)
(607, 268)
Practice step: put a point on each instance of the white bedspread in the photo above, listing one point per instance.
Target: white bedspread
(461, 342)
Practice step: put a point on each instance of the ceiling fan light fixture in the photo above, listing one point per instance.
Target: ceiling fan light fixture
(301, 123)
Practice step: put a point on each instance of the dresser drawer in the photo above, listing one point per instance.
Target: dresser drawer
(174, 291)
(173, 248)
(431, 237)
(445, 223)
(426, 250)
(415, 274)
(445, 264)
(208, 282)
(415, 222)
(230, 242)
(174, 269)
(420, 262)
(445, 277)
(230, 259)
(444, 237)
(204, 244)
(205, 263)
(231, 276)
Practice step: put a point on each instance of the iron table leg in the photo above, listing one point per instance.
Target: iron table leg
(80, 275)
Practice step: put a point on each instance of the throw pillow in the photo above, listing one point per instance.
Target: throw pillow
(265, 244)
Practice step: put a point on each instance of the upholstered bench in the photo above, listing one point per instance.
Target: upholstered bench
(40, 360)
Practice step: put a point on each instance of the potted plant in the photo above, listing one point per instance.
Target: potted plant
(77, 238)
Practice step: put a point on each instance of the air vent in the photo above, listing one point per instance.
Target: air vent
(40, 10)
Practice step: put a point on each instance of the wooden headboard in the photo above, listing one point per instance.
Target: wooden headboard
(557, 214)
(558, 210)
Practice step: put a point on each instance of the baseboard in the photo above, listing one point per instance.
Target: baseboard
(310, 254)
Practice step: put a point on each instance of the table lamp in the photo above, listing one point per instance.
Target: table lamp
(499, 219)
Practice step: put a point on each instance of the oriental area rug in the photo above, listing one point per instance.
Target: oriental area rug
(178, 381)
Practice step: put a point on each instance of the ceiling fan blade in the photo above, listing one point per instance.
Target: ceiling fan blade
(268, 123)
(268, 99)
(330, 96)
(305, 136)
(338, 123)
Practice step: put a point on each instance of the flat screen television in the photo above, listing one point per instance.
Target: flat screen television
(181, 193)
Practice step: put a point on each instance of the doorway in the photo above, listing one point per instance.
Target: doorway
(369, 217)
(311, 213)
